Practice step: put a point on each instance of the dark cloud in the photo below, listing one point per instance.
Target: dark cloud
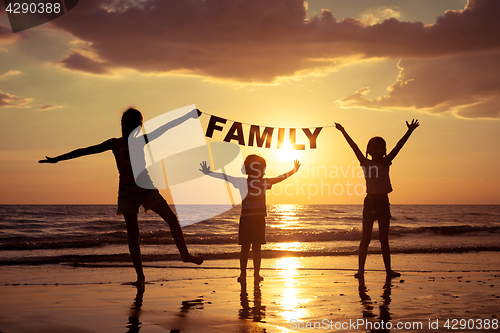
(259, 40)
(466, 84)
(262, 40)
(6, 34)
(82, 63)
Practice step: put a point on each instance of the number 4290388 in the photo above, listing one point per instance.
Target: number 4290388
(34, 8)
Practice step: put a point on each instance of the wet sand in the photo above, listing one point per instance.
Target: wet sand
(298, 294)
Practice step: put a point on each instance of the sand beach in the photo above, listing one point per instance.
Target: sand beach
(435, 293)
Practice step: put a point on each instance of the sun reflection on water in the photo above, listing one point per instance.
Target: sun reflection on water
(290, 246)
(292, 306)
(286, 216)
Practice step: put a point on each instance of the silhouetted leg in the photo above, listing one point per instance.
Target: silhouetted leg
(383, 226)
(243, 261)
(134, 247)
(168, 215)
(257, 257)
(363, 247)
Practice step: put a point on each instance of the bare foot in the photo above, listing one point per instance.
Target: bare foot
(198, 260)
(392, 274)
(139, 283)
(258, 278)
(242, 278)
(359, 275)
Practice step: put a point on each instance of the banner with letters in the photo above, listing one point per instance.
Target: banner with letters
(262, 136)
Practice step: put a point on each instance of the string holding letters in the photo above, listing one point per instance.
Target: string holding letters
(262, 138)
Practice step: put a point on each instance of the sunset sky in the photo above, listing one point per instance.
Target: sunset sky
(370, 65)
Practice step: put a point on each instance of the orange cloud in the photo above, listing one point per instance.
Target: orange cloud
(11, 101)
(47, 107)
(9, 73)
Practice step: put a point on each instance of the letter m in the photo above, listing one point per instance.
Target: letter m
(255, 134)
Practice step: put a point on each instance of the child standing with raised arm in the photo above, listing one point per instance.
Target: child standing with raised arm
(131, 196)
(252, 227)
(378, 186)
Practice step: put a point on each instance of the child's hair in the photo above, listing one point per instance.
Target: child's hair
(136, 114)
(372, 142)
(254, 165)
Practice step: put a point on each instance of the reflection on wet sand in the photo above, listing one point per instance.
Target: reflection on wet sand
(134, 325)
(384, 311)
(188, 305)
(257, 312)
(181, 318)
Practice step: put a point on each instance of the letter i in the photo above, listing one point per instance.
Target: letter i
(281, 137)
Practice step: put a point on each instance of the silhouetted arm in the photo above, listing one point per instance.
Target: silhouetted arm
(235, 181)
(411, 127)
(176, 122)
(284, 176)
(351, 143)
(102, 147)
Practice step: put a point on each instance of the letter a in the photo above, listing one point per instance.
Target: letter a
(235, 133)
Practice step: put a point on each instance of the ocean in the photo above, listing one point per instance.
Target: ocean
(95, 235)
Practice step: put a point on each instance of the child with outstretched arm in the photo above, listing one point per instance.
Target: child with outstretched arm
(252, 226)
(131, 196)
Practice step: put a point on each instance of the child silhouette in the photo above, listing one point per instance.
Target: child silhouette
(131, 196)
(378, 185)
(252, 226)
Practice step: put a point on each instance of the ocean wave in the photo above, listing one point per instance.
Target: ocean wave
(446, 230)
(162, 236)
(82, 260)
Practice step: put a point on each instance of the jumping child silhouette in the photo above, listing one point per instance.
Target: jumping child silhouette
(252, 227)
(378, 185)
(131, 196)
